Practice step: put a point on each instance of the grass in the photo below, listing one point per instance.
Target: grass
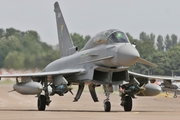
(163, 94)
(7, 82)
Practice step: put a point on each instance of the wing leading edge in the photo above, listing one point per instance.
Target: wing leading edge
(152, 77)
(61, 72)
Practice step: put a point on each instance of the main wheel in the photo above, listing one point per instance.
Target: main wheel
(107, 106)
(41, 103)
(128, 103)
(175, 96)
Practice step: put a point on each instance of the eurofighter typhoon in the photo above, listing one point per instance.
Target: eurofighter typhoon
(103, 61)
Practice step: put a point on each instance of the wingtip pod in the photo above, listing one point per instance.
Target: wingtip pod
(143, 61)
(56, 6)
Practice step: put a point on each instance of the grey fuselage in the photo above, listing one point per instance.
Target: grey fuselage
(94, 55)
(101, 56)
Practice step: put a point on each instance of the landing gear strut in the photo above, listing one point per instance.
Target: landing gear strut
(126, 98)
(126, 103)
(107, 105)
(175, 95)
(43, 100)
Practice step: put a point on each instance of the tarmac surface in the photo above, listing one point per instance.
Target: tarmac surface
(14, 106)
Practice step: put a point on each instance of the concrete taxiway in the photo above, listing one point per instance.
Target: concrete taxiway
(14, 106)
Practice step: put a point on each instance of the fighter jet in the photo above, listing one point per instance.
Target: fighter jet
(103, 61)
(170, 86)
(167, 84)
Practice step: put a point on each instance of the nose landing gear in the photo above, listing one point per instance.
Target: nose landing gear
(107, 106)
(107, 90)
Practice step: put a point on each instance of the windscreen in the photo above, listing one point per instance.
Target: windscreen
(118, 37)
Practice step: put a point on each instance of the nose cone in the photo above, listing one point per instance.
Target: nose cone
(127, 55)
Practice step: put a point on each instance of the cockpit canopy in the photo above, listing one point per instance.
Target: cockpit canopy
(110, 36)
(107, 37)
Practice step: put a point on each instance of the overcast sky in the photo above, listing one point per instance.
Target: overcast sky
(88, 17)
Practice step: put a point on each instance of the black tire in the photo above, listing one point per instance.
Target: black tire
(175, 96)
(41, 103)
(107, 106)
(128, 103)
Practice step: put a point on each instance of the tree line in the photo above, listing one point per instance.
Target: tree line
(20, 49)
(163, 51)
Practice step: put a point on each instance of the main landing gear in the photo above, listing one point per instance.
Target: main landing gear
(175, 95)
(41, 103)
(126, 98)
(126, 94)
(43, 100)
(126, 102)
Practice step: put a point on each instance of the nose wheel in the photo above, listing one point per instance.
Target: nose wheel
(107, 106)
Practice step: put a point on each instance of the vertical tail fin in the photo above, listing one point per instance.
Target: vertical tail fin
(65, 42)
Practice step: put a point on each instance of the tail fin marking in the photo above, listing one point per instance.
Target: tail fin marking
(65, 41)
